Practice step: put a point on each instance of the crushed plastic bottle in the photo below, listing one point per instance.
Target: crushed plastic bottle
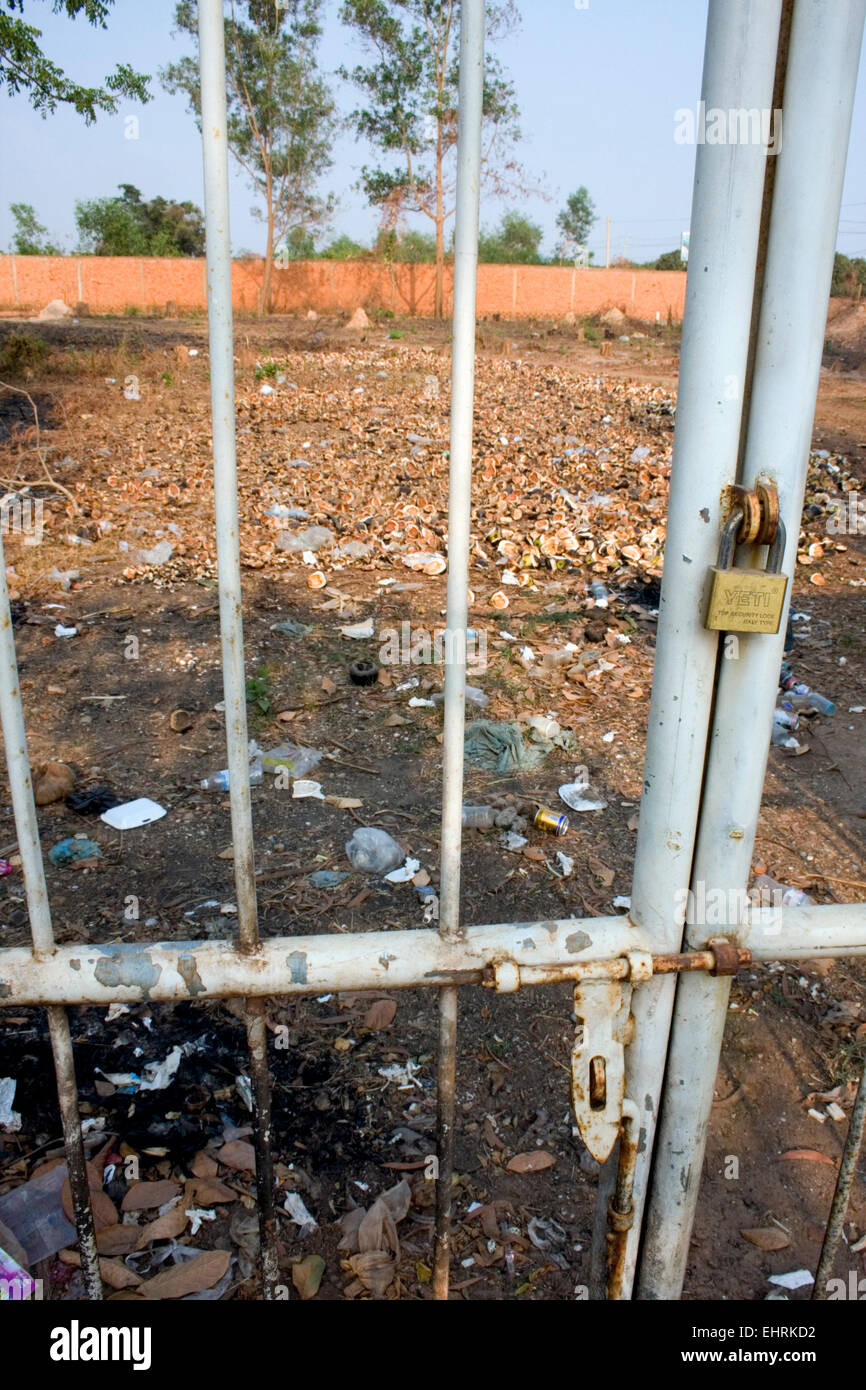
(374, 851)
(478, 817)
(792, 687)
(219, 781)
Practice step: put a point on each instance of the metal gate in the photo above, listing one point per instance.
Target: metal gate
(650, 994)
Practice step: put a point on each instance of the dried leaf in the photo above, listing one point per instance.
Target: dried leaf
(147, 1196)
(166, 1227)
(193, 1276)
(766, 1237)
(812, 1155)
(328, 687)
(604, 875)
(237, 1153)
(490, 1135)
(208, 1191)
(380, 1014)
(104, 1210)
(375, 1270)
(532, 1162)
(117, 1240)
(307, 1275)
(115, 1275)
(350, 1224)
(204, 1165)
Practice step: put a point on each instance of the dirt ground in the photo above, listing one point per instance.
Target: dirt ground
(573, 444)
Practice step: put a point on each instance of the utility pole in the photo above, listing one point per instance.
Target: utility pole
(607, 245)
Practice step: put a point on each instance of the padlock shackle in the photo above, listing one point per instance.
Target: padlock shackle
(728, 540)
(776, 553)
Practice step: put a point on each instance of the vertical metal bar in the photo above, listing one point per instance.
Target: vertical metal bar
(847, 1169)
(739, 66)
(219, 298)
(819, 95)
(42, 933)
(459, 502)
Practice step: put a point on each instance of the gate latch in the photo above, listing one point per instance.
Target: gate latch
(603, 1011)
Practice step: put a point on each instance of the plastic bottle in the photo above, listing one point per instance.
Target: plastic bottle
(600, 594)
(779, 894)
(792, 686)
(219, 781)
(478, 817)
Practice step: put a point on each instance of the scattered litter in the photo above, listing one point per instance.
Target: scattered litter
(427, 562)
(478, 817)
(512, 841)
(10, 1120)
(327, 878)
(623, 901)
(290, 627)
(92, 801)
(52, 782)
(196, 1215)
(5, 868)
(572, 793)
(293, 758)
(500, 747)
(298, 1213)
(360, 631)
(156, 1076)
(796, 1279)
(566, 864)
(374, 851)
(302, 788)
(417, 702)
(402, 1073)
(406, 872)
(61, 631)
(73, 850)
(132, 814)
(363, 673)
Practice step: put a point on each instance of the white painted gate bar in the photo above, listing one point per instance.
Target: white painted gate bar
(739, 67)
(823, 58)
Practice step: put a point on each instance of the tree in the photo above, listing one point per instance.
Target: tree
(28, 239)
(671, 260)
(128, 226)
(576, 220)
(25, 68)
(849, 276)
(409, 111)
(280, 112)
(516, 242)
(343, 248)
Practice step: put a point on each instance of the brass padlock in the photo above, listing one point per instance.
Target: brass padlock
(746, 600)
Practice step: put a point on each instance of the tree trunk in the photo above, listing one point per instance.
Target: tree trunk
(438, 296)
(267, 278)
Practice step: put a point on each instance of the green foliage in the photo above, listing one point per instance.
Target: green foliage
(849, 276)
(259, 691)
(576, 220)
(671, 260)
(343, 248)
(280, 112)
(515, 242)
(21, 354)
(25, 68)
(266, 369)
(128, 226)
(29, 237)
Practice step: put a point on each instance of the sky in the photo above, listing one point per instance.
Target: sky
(597, 83)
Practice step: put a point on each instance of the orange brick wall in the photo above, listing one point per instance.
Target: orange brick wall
(110, 284)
